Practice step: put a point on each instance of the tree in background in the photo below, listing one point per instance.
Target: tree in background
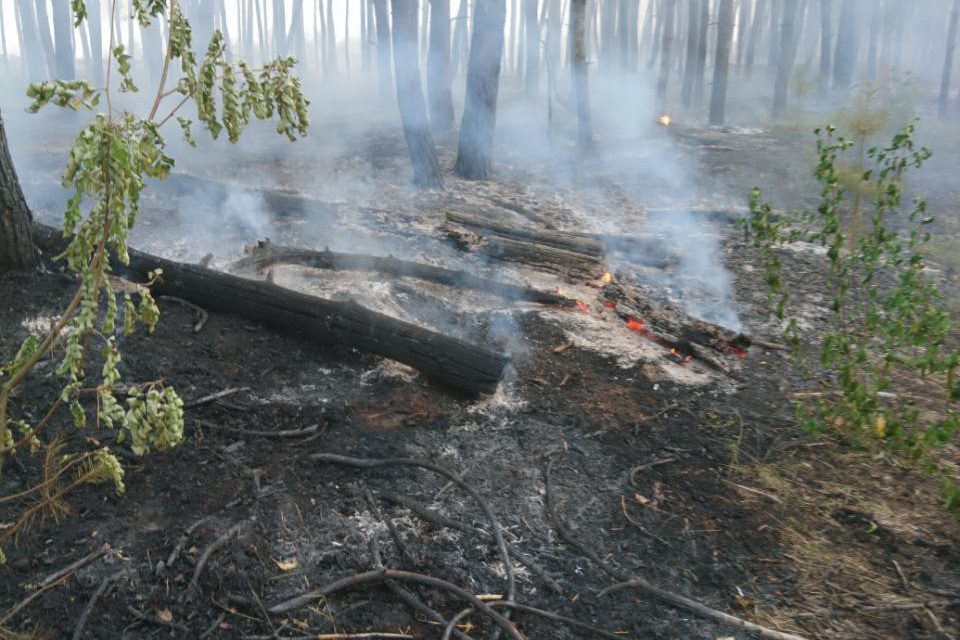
(438, 68)
(413, 108)
(721, 72)
(948, 61)
(16, 245)
(581, 89)
(475, 154)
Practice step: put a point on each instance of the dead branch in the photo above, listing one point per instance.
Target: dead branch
(286, 433)
(183, 540)
(549, 615)
(700, 610)
(404, 576)
(202, 315)
(367, 463)
(87, 610)
(208, 552)
(215, 396)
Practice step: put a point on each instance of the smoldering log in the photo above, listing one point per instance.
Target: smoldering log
(572, 242)
(449, 361)
(266, 254)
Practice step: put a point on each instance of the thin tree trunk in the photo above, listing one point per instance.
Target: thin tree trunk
(948, 61)
(63, 33)
(845, 57)
(721, 72)
(475, 154)
(460, 39)
(743, 25)
(788, 50)
(331, 39)
(657, 33)
(690, 66)
(16, 244)
(262, 46)
(581, 89)
(666, 59)
(31, 50)
(280, 27)
(554, 36)
(364, 50)
(440, 95)
(413, 108)
(383, 46)
(756, 35)
(532, 42)
(43, 29)
(874, 45)
(701, 69)
(776, 16)
(826, 47)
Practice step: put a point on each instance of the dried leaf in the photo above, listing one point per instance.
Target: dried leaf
(641, 499)
(287, 565)
(165, 614)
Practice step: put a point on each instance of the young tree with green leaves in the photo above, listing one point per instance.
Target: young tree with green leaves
(106, 171)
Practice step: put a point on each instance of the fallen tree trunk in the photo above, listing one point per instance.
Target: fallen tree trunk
(450, 361)
(572, 242)
(266, 254)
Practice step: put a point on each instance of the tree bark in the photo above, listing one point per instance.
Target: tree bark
(413, 108)
(948, 62)
(30, 48)
(690, 65)
(845, 56)
(721, 72)
(43, 28)
(581, 88)
(531, 76)
(440, 95)
(17, 250)
(789, 41)
(666, 55)
(474, 157)
(743, 24)
(756, 35)
(449, 361)
(63, 34)
(383, 46)
(701, 69)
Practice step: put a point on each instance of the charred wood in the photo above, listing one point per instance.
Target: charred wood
(558, 239)
(266, 254)
(450, 361)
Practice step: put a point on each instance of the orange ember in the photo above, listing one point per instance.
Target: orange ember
(610, 304)
(583, 306)
(635, 323)
(738, 351)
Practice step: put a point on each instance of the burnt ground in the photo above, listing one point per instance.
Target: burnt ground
(711, 491)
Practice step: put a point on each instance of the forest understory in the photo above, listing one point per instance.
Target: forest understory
(601, 455)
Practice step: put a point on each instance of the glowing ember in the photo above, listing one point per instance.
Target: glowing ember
(679, 356)
(607, 277)
(664, 120)
(738, 351)
(583, 306)
(610, 304)
(635, 323)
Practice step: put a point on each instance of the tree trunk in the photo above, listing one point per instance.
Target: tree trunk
(438, 68)
(701, 69)
(666, 56)
(826, 47)
(554, 36)
(756, 34)
(413, 108)
(776, 16)
(874, 44)
(789, 41)
(16, 244)
(30, 48)
(460, 39)
(43, 28)
(718, 97)
(280, 27)
(331, 65)
(948, 61)
(743, 24)
(63, 32)
(581, 89)
(474, 157)
(383, 46)
(690, 64)
(845, 57)
(531, 77)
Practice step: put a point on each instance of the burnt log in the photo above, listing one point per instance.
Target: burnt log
(451, 362)
(265, 254)
(572, 242)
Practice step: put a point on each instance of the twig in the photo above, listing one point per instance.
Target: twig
(448, 630)
(365, 463)
(201, 313)
(648, 466)
(215, 396)
(53, 580)
(765, 494)
(394, 534)
(701, 610)
(773, 346)
(404, 576)
(549, 615)
(106, 584)
(183, 540)
(289, 433)
(909, 606)
(140, 615)
(205, 557)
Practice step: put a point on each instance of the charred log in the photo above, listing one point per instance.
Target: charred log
(265, 255)
(449, 361)
(573, 242)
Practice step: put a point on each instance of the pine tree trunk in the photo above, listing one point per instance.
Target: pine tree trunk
(845, 56)
(743, 24)
(701, 69)
(16, 244)
(383, 46)
(690, 65)
(666, 55)
(788, 51)
(460, 39)
(531, 77)
(776, 15)
(438, 67)
(413, 108)
(331, 41)
(280, 27)
(474, 157)
(826, 47)
(874, 45)
(721, 72)
(43, 29)
(756, 35)
(63, 32)
(581, 89)
(948, 62)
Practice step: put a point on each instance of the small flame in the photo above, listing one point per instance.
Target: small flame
(664, 120)
(635, 323)
(683, 359)
(607, 277)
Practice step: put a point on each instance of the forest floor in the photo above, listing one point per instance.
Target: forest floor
(705, 487)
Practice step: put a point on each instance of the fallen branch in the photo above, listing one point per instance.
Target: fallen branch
(87, 610)
(208, 552)
(367, 463)
(700, 610)
(266, 254)
(549, 615)
(215, 396)
(202, 315)
(286, 433)
(403, 576)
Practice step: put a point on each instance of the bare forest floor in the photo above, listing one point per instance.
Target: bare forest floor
(702, 484)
